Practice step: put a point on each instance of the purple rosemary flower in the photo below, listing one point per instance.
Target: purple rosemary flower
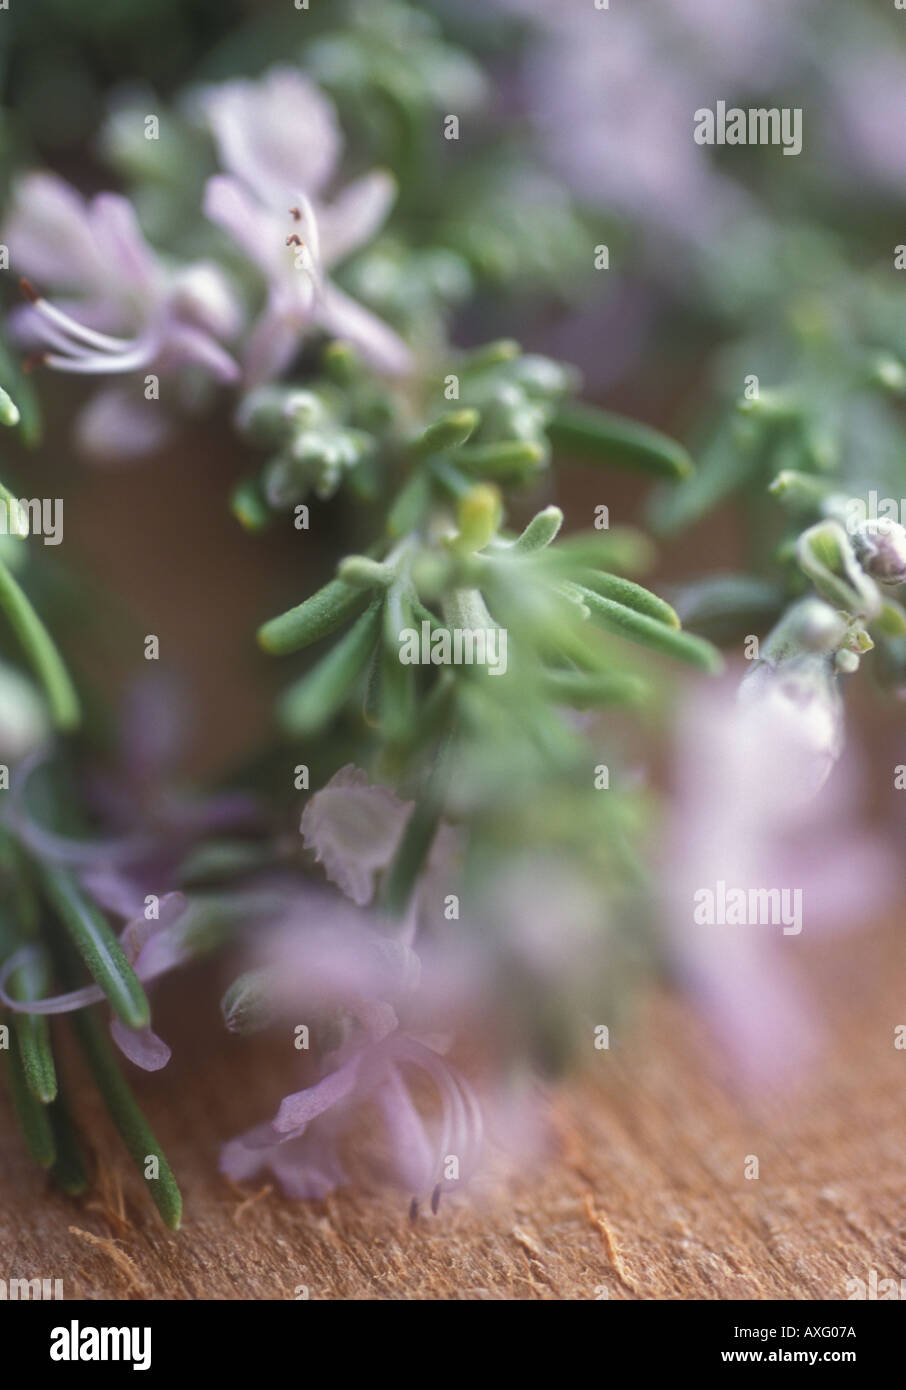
(354, 830)
(300, 1145)
(279, 142)
(330, 962)
(123, 310)
(748, 813)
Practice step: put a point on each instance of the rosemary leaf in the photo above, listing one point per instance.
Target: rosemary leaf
(102, 953)
(310, 704)
(126, 1114)
(48, 664)
(326, 610)
(33, 1117)
(600, 436)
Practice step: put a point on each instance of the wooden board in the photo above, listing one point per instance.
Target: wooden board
(644, 1195)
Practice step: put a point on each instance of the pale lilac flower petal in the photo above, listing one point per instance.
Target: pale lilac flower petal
(277, 133)
(343, 317)
(463, 1124)
(113, 891)
(307, 1167)
(118, 425)
(275, 338)
(155, 946)
(121, 244)
(751, 812)
(414, 1156)
(186, 345)
(356, 215)
(50, 236)
(299, 1109)
(354, 829)
(142, 1047)
(256, 230)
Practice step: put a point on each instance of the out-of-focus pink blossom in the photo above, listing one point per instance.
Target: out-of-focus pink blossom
(325, 958)
(123, 311)
(278, 139)
(354, 830)
(753, 807)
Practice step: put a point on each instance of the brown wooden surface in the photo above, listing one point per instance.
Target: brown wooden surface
(643, 1197)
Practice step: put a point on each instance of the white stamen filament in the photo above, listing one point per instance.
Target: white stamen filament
(461, 1121)
(98, 363)
(104, 342)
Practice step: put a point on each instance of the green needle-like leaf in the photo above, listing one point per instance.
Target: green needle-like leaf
(326, 610)
(310, 704)
(410, 857)
(16, 519)
(96, 944)
(397, 699)
(69, 1169)
(33, 1117)
(582, 690)
(632, 595)
(539, 533)
(639, 627)
(600, 436)
(410, 505)
(45, 658)
(511, 460)
(123, 1109)
(622, 548)
(26, 984)
(449, 432)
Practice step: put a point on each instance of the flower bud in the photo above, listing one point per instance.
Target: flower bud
(478, 516)
(880, 547)
(247, 1006)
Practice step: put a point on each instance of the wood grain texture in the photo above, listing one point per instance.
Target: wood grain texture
(643, 1195)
